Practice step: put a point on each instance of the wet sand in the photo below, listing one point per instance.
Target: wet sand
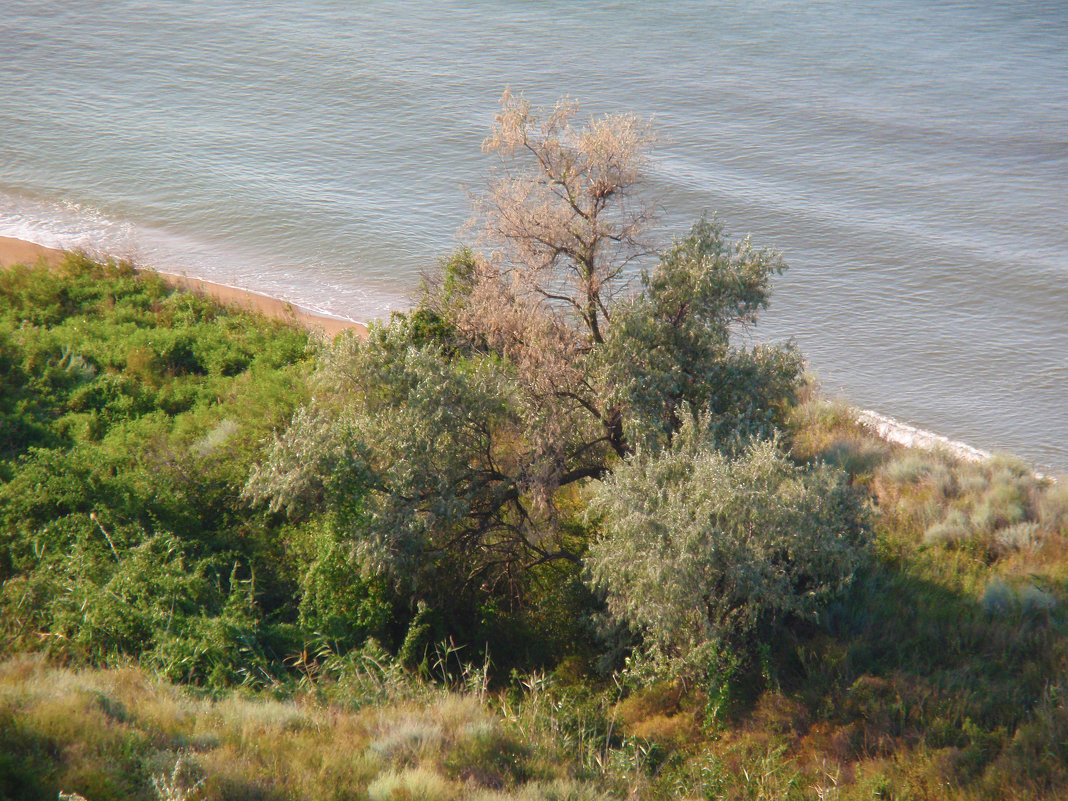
(17, 251)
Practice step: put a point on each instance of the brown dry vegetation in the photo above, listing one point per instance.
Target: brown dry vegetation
(119, 734)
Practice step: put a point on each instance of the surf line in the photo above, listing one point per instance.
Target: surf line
(899, 433)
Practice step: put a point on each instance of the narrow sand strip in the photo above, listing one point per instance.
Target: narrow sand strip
(16, 251)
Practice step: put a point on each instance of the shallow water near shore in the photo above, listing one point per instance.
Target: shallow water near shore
(908, 158)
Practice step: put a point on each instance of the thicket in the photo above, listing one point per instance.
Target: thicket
(130, 416)
(556, 532)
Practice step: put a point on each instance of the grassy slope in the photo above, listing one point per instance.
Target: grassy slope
(129, 415)
(119, 734)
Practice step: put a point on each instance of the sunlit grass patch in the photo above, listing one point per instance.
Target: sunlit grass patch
(998, 509)
(825, 430)
(116, 734)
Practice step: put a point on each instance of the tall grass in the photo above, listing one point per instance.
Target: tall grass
(118, 734)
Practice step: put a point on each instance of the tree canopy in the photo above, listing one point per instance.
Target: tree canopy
(700, 548)
(452, 445)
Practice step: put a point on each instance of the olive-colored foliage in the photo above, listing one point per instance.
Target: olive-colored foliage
(449, 445)
(700, 548)
(406, 448)
(671, 343)
(130, 416)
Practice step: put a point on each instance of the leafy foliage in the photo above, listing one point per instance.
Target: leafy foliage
(408, 449)
(671, 344)
(700, 548)
(131, 416)
(452, 444)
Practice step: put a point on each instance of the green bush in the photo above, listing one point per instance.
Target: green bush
(129, 418)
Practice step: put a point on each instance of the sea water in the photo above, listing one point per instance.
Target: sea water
(908, 157)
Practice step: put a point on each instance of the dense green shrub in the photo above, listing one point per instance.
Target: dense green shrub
(129, 418)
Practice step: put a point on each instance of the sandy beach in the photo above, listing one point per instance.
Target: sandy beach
(17, 251)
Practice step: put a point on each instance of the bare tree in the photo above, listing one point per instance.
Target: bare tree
(563, 212)
(560, 224)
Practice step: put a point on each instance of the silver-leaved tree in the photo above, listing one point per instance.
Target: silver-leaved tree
(699, 549)
(451, 447)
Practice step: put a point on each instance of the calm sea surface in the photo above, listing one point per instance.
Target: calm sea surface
(910, 158)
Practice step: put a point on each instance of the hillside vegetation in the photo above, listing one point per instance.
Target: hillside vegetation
(553, 533)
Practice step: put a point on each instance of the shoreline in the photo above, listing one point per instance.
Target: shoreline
(19, 251)
(910, 436)
(897, 432)
(15, 251)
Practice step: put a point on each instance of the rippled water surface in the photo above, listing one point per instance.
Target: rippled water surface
(909, 158)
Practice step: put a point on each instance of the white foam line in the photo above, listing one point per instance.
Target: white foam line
(912, 437)
(39, 233)
(72, 226)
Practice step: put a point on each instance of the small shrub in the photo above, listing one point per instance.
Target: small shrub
(997, 598)
(827, 431)
(973, 483)
(914, 467)
(1018, 537)
(143, 364)
(405, 741)
(1053, 507)
(417, 784)
(1032, 599)
(1000, 507)
(856, 457)
(951, 532)
(1006, 498)
(655, 714)
(1037, 757)
(559, 790)
(183, 783)
(487, 756)
(1000, 599)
